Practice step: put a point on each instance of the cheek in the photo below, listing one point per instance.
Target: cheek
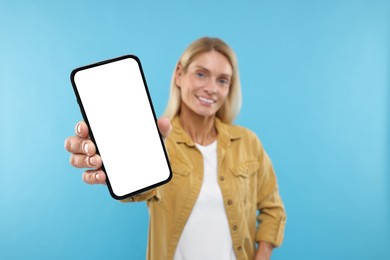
(189, 87)
(185, 94)
(194, 83)
(185, 90)
(224, 94)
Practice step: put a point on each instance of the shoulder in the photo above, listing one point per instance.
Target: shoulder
(245, 132)
(241, 132)
(242, 136)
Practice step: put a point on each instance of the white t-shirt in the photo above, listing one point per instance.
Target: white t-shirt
(206, 234)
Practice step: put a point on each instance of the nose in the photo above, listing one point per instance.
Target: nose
(211, 87)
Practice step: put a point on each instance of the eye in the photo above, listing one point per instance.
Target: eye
(223, 81)
(200, 74)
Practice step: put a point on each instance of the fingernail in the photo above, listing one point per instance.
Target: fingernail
(78, 128)
(92, 160)
(85, 148)
(97, 176)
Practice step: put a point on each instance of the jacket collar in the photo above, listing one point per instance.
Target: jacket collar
(226, 133)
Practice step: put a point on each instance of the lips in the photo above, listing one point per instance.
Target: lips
(206, 100)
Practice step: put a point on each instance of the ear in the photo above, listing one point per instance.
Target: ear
(178, 75)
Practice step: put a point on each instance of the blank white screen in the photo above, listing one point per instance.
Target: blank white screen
(116, 104)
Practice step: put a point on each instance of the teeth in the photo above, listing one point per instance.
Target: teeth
(208, 101)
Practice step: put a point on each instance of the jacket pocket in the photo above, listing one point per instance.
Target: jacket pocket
(245, 184)
(246, 169)
(179, 167)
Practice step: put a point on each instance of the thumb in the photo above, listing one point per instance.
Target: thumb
(164, 125)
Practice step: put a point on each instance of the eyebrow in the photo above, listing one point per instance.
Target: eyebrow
(222, 74)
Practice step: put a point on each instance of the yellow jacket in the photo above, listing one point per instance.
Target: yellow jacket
(247, 181)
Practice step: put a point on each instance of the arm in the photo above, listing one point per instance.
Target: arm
(264, 251)
(272, 217)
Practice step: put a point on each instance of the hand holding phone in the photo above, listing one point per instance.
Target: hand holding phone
(116, 106)
(83, 151)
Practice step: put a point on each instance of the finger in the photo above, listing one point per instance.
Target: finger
(85, 161)
(94, 177)
(164, 125)
(81, 129)
(78, 145)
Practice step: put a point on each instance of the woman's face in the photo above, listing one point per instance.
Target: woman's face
(205, 85)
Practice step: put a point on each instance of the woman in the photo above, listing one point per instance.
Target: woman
(223, 180)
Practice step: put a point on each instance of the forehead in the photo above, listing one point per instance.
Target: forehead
(213, 61)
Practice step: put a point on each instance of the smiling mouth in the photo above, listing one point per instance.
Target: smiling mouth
(206, 100)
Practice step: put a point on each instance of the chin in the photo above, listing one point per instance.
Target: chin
(206, 113)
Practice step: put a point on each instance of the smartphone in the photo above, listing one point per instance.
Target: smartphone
(116, 105)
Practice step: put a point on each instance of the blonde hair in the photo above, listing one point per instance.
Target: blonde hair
(231, 107)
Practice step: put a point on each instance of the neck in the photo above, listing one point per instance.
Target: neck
(201, 129)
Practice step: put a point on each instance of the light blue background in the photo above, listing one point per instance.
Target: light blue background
(315, 78)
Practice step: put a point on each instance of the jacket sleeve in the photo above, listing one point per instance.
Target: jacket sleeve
(272, 216)
(150, 195)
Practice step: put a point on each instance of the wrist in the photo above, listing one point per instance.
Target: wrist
(264, 250)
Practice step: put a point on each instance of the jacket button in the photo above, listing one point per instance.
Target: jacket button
(230, 202)
(222, 178)
(234, 227)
